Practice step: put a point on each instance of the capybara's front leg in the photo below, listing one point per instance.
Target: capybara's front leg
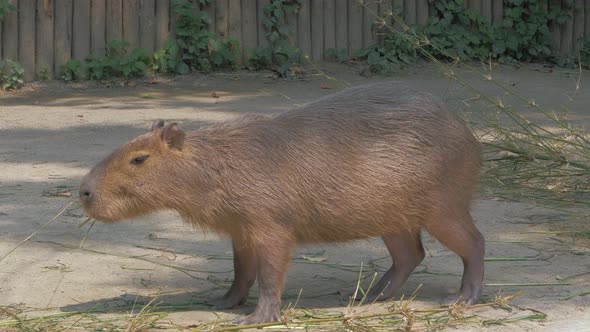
(245, 269)
(273, 262)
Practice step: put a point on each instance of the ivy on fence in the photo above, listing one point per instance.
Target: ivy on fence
(452, 32)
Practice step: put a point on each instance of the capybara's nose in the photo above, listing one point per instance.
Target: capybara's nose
(86, 192)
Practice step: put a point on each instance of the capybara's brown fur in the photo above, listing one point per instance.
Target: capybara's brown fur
(374, 160)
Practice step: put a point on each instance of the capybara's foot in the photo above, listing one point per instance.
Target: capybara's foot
(259, 317)
(226, 302)
(467, 296)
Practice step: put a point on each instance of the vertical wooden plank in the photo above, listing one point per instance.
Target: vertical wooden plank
(567, 31)
(555, 31)
(44, 38)
(385, 6)
(304, 28)
(329, 25)
(486, 9)
(370, 13)
(26, 37)
(290, 20)
(234, 11)
(130, 19)
(497, 11)
(587, 19)
(162, 21)
(114, 20)
(235, 23)
(475, 5)
(397, 7)
(355, 26)
(210, 10)
(317, 30)
(386, 21)
(172, 26)
(422, 11)
(81, 30)
(341, 8)
(147, 25)
(1, 40)
(262, 40)
(221, 17)
(97, 27)
(249, 29)
(578, 33)
(410, 12)
(10, 34)
(63, 33)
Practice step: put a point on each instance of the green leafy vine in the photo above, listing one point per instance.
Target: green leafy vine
(280, 55)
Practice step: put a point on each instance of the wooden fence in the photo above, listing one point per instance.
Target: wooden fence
(44, 34)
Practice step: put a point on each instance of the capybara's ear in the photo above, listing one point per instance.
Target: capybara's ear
(157, 124)
(173, 136)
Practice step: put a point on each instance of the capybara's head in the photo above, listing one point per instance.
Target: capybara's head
(136, 178)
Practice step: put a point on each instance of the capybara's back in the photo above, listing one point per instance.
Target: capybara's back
(364, 162)
(380, 159)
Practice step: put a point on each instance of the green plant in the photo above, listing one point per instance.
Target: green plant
(118, 62)
(70, 70)
(394, 52)
(11, 74)
(458, 33)
(524, 34)
(224, 53)
(167, 60)
(280, 53)
(196, 47)
(337, 54)
(42, 75)
(5, 7)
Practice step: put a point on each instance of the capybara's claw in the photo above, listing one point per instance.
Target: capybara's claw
(258, 318)
(225, 303)
(467, 296)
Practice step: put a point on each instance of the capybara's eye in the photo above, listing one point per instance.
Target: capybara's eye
(139, 160)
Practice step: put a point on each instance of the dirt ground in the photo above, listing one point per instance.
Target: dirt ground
(52, 133)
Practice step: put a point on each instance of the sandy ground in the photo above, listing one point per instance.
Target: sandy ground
(51, 134)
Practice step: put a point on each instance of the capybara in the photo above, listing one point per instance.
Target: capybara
(380, 159)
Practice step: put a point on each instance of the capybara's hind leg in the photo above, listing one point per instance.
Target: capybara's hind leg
(245, 268)
(460, 235)
(406, 252)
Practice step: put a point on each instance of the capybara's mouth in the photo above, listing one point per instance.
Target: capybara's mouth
(101, 214)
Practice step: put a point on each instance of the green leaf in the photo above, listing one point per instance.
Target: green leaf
(182, 68)
(278, 13)
(273, 37)
(512, 42)
(284, 29)
(140, 66)
(267, 23)
(373, 58)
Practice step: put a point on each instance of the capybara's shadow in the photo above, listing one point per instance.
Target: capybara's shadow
(134, 303)
(324, 298)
